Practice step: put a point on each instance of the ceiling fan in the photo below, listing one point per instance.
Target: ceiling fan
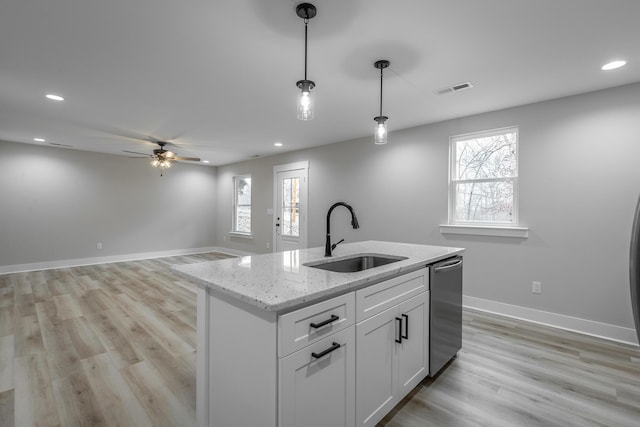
(163, 158)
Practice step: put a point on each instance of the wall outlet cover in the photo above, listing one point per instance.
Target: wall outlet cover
(536, 287)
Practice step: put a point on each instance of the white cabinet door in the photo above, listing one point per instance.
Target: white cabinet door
(319, 390)
(375, 367)
(413, 352)
(392, 357)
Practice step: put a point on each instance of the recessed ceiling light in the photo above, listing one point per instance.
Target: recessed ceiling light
(39, 139)
(54, 97)
(278, 144)
(613, 65)
(205, 161)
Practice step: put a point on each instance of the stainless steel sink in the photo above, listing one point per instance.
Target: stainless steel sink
(355, 263)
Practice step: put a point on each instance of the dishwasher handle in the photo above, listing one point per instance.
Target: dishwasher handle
(447, 266)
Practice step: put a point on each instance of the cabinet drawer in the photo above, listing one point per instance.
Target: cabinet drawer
(310, 324)
(379, 297)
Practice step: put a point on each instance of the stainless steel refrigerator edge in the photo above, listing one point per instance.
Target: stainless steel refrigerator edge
(634, 269)
(445, 318)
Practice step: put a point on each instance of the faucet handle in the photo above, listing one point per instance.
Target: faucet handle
(336, 244)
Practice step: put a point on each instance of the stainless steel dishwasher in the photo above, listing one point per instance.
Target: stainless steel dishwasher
(445, 318)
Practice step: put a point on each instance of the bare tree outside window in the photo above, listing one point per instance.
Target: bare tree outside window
(484, 174)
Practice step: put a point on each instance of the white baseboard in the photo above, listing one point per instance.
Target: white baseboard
(568, 323)
(48, 265)
(235, 252)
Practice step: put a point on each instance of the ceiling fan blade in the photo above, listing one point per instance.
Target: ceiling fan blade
(130, 157)
(135, 152)
(190, 159)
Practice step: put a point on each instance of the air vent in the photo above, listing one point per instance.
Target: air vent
(455, 88)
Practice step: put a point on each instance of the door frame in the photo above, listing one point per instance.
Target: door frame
(303, 165)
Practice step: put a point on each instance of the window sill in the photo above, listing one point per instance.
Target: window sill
(241, 235)
(486, 230)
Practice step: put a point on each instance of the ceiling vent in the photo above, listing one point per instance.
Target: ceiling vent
(60, 145)
(455, 88)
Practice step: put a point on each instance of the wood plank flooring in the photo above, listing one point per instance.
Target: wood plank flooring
(104, 345)
(513, 373)
(114, 345)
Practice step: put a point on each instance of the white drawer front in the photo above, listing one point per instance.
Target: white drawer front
(379, 297)
(302, 327)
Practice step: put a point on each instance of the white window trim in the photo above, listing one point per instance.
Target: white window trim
(241, 235)
(485, 230)
(501, 229)
(234, 232)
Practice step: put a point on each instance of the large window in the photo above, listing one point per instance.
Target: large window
(483, 184)
(242, 204)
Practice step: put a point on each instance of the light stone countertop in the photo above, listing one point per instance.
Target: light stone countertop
(279, 281)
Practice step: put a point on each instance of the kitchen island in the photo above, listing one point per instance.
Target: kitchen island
(281, 343)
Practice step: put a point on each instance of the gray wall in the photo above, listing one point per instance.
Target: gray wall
(579, 183)
(57, 204)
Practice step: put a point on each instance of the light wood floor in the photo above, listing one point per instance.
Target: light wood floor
(114, 345)
(105, 345)
(512, 373)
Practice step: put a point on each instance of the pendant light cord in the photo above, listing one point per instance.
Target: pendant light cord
(380, 92)
(306, 22)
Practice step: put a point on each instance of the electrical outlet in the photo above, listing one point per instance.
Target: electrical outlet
(99, 245)
(536, 287)
(268, 245)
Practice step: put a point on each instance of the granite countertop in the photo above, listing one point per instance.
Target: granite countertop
(279, 281)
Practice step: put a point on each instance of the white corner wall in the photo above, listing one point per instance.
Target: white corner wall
(57, 204)
(579, 183)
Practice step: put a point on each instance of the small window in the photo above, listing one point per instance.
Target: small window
(242, 204)
(483, 178)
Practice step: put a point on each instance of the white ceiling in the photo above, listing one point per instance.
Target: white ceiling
(218, 77)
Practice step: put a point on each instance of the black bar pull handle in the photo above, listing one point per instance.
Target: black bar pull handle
(333, 318)
(399, 334)
(406, 327)
(334, 347)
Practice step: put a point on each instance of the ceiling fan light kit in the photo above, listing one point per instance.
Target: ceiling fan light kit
(162, 158)
(305, 11)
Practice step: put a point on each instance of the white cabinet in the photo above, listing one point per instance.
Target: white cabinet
(317, 383)
(316, 369)
(413, 351)
(333, 363)
(392, 346)
(375, 367)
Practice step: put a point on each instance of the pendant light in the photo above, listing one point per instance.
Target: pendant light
(305, 11)
(380, 134)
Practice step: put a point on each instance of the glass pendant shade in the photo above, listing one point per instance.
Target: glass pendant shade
(380, 133)
(305, 100)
